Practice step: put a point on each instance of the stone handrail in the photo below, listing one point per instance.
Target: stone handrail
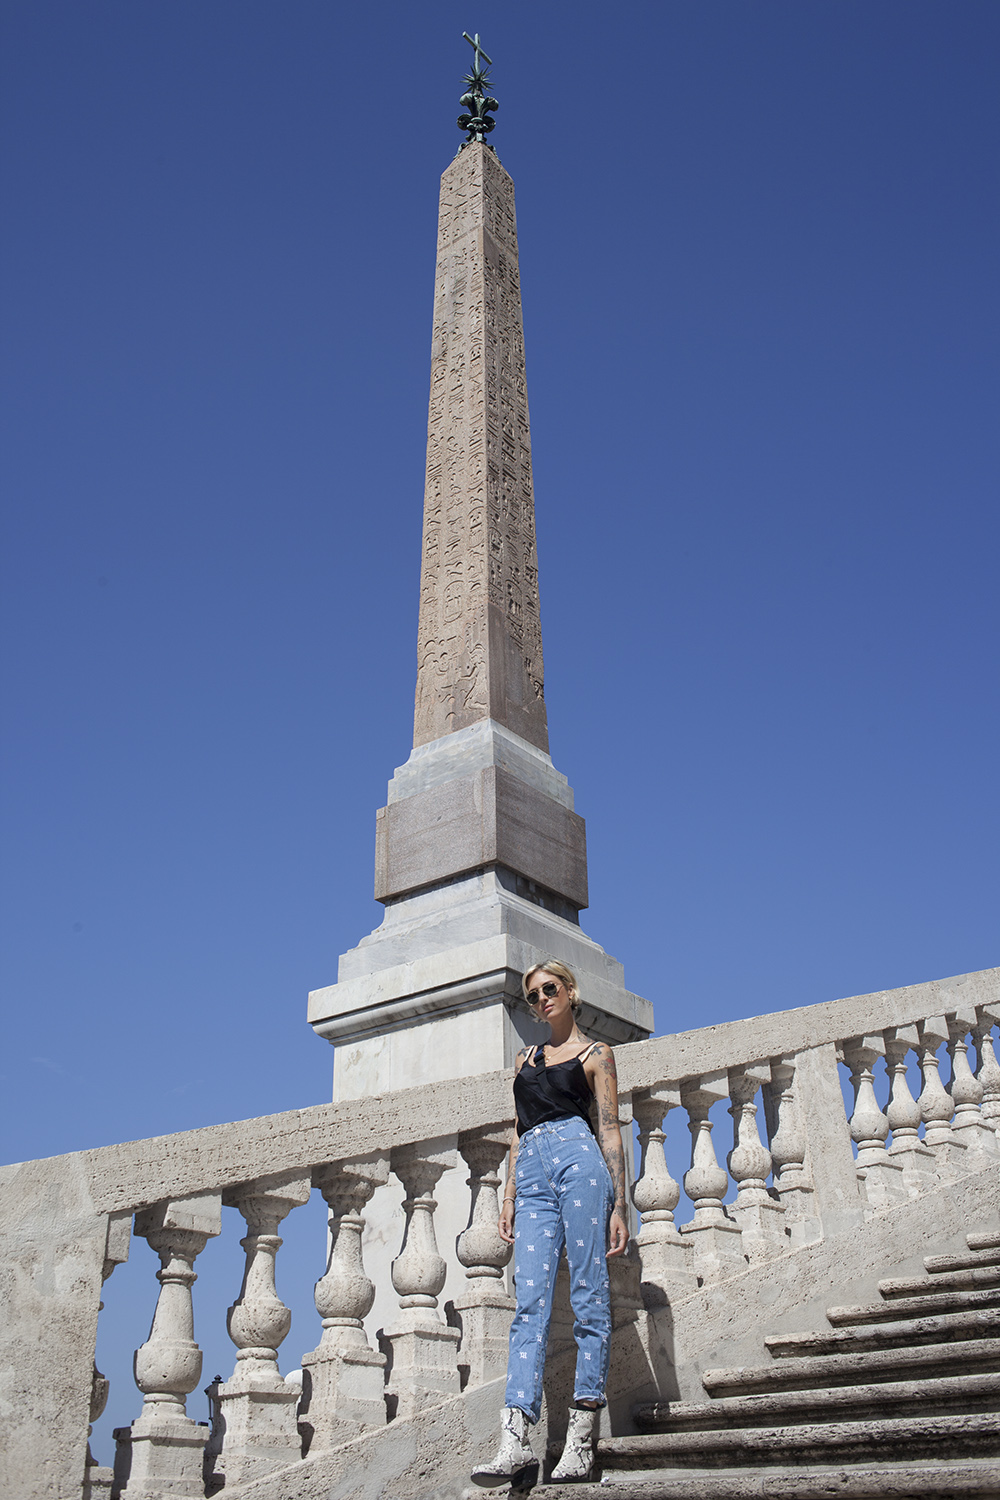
(135, 1173)
(819, 1173)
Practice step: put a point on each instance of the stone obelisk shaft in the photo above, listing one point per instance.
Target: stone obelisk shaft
(480, 639)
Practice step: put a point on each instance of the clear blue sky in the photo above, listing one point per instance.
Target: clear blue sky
(759, 255)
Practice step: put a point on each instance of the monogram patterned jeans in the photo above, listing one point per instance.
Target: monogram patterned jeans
(564, 1197)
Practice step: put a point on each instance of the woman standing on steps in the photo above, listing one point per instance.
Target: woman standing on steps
(564, 1188)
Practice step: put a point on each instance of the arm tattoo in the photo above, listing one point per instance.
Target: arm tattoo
(608, 1130)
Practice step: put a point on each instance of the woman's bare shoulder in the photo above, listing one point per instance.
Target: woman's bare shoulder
(522, 1058)
(600, 1059)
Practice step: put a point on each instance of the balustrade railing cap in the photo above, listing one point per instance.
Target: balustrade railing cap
(202, 1213)
(287, 1187)
(664, 1096)
(370, 1164)
(933, 1031)
(859, 1044)
(755, 1072)
(706, 1086)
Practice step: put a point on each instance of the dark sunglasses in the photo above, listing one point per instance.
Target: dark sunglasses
(549, 990)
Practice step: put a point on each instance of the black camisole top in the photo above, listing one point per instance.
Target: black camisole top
(551, 1091)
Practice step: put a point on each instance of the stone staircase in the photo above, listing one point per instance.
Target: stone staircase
(897, 1398)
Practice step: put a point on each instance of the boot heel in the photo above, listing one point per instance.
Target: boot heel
(524, 1480)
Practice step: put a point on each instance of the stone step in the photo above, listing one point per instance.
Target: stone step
(946, 1281)
(983, 1241)
(940, 1329)
(929, 1361)
(935, 1264)
(956, 1436)
(956, 1393)
(915, 1307)
(967, 1479)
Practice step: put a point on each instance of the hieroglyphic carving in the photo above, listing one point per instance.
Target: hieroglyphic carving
(479, 561)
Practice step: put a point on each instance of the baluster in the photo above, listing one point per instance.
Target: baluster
(344, 1377)
(162, 1450)
(966, 1090)
(882, 1178)
(422, 1347)
(988, 1071)
(760, 1217)
(485, 1309)
(667, 1258)
(903, 1113)
(256, 1407)
(97, 1479)
(718, 1244)
(937, 1105)
(625, 1271)
(787, 1139)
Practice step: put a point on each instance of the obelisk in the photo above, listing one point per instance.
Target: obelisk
(480, 857)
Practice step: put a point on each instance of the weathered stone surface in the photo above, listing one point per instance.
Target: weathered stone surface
(485, 743)
(724, 1323)
(914, 1307)
(933, 1330)
(487, 818)
(720, 1047)
(894, 1481)
(843, 1369)
(64, 1202)
(884, 1398)
(52, 1246)
(480, 640)
(424, 1457)
(924, 1437)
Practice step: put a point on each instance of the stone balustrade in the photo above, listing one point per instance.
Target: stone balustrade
(802, 1166)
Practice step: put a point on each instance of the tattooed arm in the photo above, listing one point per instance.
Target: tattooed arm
(603, 1078)
(505, 1223)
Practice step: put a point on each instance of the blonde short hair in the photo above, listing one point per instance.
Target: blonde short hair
(561, 971)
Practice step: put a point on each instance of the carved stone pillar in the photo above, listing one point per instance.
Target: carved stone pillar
(484, 1311)
(869, 1126)
(256, 1407)
(787, 1139)
(937, 1105)
(718, 1245)
(903, 1113)
(344, 1377)
(967, 1091)
(988, 1071)
(423, 1350)
(760, 1216)
(625, 1271)
(161, 1453)
(666, 1257)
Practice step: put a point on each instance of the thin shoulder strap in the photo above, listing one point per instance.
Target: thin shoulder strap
(582, 1056)
(531, 1055)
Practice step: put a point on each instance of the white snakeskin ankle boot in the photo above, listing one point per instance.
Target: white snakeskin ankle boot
(513, 1456)
(578, 1455)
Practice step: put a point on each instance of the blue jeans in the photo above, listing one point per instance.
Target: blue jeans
(564, 1197)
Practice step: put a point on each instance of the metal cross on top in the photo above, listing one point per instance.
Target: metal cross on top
(473, 42)
(476, 101)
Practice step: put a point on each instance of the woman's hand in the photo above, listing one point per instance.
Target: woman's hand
(617, 1234)
(505, 1223)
